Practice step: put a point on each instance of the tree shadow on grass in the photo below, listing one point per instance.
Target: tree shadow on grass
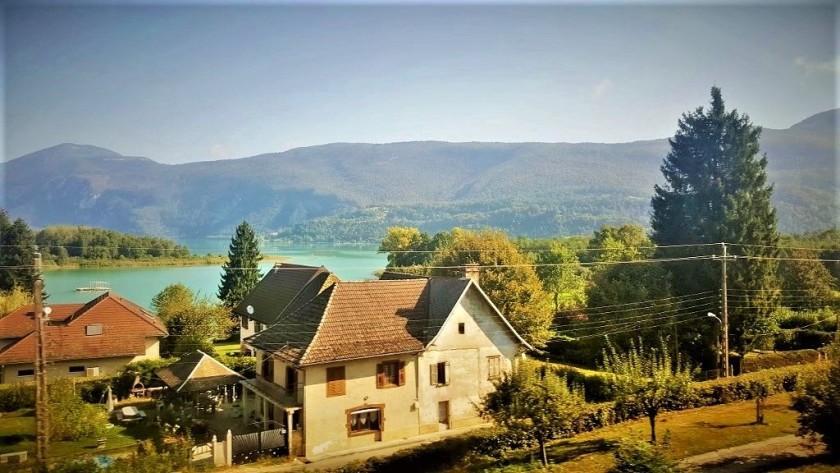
(709, 425)
(769, 462)
(567, 450)
(15, 439)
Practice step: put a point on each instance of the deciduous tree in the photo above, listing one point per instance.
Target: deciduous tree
(241, 272)
(17, 254)
(649, 378)
(562, 276)
(193, 323)
(535, 400)
(818, 404)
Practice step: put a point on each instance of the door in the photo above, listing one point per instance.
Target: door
(443, 414)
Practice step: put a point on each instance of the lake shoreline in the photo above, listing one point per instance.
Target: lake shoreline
(212, 260)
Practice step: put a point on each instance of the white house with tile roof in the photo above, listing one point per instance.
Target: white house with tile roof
(377, 361)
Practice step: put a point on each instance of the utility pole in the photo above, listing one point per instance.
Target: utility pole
(41, 401)
(725, 314)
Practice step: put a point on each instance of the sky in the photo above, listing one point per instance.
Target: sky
(192, 82)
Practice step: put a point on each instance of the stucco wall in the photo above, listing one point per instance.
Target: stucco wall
(325, 420)
(107, 366)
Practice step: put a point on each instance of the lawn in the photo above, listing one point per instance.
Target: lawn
(222, 348)
(691, 432)
(17, 433)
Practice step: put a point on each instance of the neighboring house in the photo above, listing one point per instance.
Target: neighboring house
(90, 339)
(286, 287)
(374, 361)
(198, 372)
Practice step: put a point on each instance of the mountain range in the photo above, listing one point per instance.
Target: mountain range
(352, 191)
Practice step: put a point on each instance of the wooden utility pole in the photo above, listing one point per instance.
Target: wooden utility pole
(725, 314)
(41, 399)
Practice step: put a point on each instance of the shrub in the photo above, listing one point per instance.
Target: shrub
(16, 396)
(777, 359)
(637, 456)
(244, 365)
(818, 404)
(70, 417)
(596, 387)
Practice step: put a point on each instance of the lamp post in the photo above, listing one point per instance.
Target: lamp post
(721, 356)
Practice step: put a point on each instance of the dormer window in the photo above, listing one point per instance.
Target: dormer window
(93, 329)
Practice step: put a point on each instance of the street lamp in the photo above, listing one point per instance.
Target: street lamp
(721, 356)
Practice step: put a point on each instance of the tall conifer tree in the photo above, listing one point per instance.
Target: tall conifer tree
(716, 191)
(240, 274)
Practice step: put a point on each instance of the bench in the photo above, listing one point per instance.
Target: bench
(13, 457)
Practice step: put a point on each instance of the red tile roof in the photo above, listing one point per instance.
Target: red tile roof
(125, 327)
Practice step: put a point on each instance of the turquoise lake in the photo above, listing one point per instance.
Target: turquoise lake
(141, 284)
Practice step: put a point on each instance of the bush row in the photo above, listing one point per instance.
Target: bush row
(16, 396)
(778, 359)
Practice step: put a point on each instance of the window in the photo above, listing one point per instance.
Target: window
(93, 329)
(494, 367)
(365, 419)
(258, 327)
(462, 329)
(26, 372)
(335, 381)
(245, 322)
(439, 373)
(390, 374)
(76, 369)
(267, 370)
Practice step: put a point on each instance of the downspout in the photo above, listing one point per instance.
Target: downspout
(417, 388)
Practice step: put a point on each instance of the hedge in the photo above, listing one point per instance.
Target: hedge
(16, 396)
(776, 359)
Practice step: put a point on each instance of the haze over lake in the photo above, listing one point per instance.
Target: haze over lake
(141, 284)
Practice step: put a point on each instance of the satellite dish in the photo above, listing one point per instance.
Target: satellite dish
(250, 310)
(47, 310)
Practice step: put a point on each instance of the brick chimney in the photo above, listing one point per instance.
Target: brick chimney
(472, 272)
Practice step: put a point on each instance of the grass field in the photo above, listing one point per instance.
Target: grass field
(222, 348)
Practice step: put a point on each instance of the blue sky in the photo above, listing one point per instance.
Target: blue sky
(197, 82)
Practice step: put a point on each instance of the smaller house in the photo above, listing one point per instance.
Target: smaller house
(284, 289)
(198, 372)
(92, 339)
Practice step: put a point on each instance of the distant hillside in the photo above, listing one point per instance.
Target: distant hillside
(347, 191)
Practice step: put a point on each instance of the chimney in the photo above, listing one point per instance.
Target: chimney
(472, 272)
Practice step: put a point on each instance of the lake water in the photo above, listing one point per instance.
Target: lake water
(141, 284)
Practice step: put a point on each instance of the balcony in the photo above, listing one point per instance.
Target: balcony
(275, 393)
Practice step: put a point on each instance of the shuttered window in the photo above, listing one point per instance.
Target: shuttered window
(494, 367)
(390, 374)
(439, 373)
(335, 381)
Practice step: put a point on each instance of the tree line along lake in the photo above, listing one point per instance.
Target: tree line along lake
(140, 284)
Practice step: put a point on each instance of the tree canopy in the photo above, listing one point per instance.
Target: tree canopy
(241, 272)
(193, 323)
(716, 191)
(17, 254)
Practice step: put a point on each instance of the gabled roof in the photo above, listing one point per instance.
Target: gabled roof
(363, 319)
(125, 327)
(286, 287)
(197, 371)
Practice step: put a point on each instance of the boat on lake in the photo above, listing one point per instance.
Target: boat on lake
(95, 286)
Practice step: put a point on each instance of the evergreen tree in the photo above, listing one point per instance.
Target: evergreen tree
(240, 274)
(716, 191)
(17, 253)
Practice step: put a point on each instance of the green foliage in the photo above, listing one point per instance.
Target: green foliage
(806, 282)
(818, 405)
(777, 359)
(406, 247)
(123, 381)
(13, 299)
(637, 456)
(562, 276)
(14, 396)
(61, 244)
(241, 272)
(70, 417)
(76, 466)
(244, 365)
(649, 378)
(507, 278)
(596, 387)
(535, 400)
(18, 252)
(193, 323)
(716, 191)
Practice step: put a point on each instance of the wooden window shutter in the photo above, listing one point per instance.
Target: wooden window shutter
(433, 374)
(380, 376)
(402, 373)
(335, 381)
(446, 374)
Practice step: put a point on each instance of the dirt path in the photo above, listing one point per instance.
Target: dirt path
(754, 457)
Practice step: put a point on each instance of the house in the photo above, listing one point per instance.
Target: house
(283, 289)
(376, 361)
(197, 372)
(90, 339)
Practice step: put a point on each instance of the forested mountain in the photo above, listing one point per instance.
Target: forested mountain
(346, 191)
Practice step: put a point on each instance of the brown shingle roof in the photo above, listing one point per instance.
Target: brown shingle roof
(286, 287)
(125, 327)
(363, 319)
(197, 371)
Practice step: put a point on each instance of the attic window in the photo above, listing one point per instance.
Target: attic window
(462, 329)
(93, 329)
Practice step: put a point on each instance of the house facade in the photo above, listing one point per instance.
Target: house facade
(377, 361)
(93, 339)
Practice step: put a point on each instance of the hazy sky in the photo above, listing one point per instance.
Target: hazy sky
(187, 83)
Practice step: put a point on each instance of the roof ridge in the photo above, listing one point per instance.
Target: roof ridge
(86, 307)
(333, 289)
(320, 270)
(197, 364)
(131, 307)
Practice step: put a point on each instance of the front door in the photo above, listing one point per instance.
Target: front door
(443, 414)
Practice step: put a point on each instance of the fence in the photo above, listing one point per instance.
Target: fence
(220, 452)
